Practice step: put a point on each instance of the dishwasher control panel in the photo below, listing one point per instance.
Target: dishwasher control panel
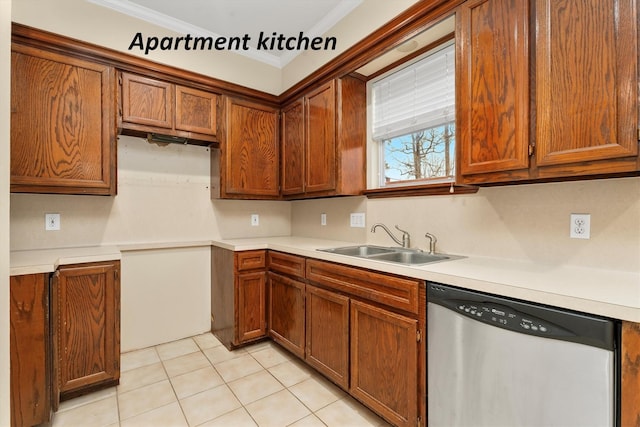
(504, 316)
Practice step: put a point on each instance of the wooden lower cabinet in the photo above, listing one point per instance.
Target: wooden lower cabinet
(30, 348)
(85, 316)
(251, 306)
(286, 312)
(327, 317)
(384, 362)
(238, 296)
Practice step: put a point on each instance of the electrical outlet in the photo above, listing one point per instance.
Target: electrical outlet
(52, 222)
(255, 220)
(580, 226)
(323, 219)
(357, 220)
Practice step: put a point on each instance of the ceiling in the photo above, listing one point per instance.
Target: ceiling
(235, 18)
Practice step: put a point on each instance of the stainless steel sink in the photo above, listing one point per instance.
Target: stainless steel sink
(412, 257)
(388, 254)
(360, 251)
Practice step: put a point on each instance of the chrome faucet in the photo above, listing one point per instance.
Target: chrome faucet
(432, 243)
(406, 238)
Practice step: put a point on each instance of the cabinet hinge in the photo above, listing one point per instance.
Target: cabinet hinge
(638, 134)
(116, 274)
(120, 79)
(531, 149)
(418, 335)
(419, 421)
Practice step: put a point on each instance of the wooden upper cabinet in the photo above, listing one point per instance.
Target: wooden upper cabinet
(586, 86)
(149, 105)
(582, 67)
(293, 152)
(249, 151)
(196, 110)
(324, 141)
(320, 122)
(63, 127)
(493, 90)
(147, 101)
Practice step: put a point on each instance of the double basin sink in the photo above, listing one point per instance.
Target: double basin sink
(389, 254)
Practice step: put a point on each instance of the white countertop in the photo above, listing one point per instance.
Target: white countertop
(48, 260)
(608, 293)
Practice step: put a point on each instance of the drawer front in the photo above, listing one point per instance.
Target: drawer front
(250, 260)
(398, 292)
(286, 264)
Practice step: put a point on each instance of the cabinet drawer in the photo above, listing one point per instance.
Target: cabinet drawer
(287, 264)
(250, 260)
(398, 292)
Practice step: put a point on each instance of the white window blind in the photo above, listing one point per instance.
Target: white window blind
(418, 96)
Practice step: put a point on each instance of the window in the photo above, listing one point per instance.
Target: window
(412, 117)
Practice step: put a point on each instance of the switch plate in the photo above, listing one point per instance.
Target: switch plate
(255, 220)
(357, 220)
(580, 227)
(323, 219)
(52, 222)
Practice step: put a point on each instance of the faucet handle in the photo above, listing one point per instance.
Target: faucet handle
(406, 237)
(400, 229)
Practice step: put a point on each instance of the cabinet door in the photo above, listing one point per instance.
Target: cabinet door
(493, 90)
(86, 327)
(251, 305)
(320, 117)
(286, 312)
(586, 82)
(249, 150)
(147, 101)
(63, 124)
(29, 344)
(196, 110)
(386, 381)
(293, 164)
(328, 334)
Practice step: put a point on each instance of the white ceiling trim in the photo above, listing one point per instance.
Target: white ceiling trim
(181, 27)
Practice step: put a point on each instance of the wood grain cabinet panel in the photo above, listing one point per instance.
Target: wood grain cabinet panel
(251, 305)
(248, 161)
(147, 101)
(286, 312)
(238, 296)
(586, 84)
(630, 375)
(320, 122)
(293, 148)
(581, 86)
(384, 362)
(62, 124)
(30, 391)
(86, 328)
(196, 110)
(149, 105)
(492, 96)
(324, 141)
(327, 327)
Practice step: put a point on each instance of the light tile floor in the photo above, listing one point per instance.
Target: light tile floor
(198, 382)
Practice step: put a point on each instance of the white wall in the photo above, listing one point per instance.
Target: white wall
(529, 222)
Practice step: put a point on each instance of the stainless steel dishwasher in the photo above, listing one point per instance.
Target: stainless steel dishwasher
(497, 362)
